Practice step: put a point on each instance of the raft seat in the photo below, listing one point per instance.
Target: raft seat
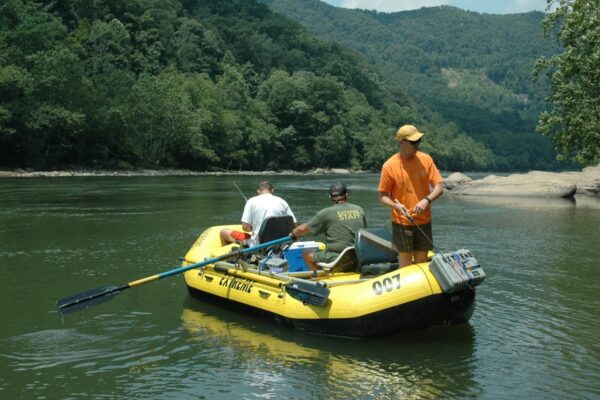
(374, 246)
(347, 261)
(275, 227)
(271, 229)
(373, 251)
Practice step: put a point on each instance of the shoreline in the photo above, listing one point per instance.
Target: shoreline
(19, 173)
(565, 184)
(22, 173)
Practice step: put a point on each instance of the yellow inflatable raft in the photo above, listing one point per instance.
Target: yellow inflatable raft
(363, 300)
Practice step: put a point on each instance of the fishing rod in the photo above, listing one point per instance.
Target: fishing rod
(446, 259)
(240, 190)
(412, 221)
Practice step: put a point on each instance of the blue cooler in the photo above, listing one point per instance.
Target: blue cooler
(293, 255)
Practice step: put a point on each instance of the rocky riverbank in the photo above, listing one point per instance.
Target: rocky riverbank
(531, 184)
(19, 173)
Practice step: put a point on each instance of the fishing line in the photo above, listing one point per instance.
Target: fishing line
(239, 190)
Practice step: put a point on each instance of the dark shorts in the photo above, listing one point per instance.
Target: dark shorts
(325, 256)
(409, 238)
(241, 236)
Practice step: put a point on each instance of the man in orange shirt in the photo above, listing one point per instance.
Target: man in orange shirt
(410, 183)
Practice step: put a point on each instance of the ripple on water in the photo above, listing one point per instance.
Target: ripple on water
(105, 350)
(528, 322)
(534, 333)
(51, 348)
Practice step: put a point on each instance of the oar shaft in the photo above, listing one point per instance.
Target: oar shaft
(145, 280)
(99, 295)
(233, 253)
(253, 277)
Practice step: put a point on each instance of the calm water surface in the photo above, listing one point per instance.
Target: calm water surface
(535, 332)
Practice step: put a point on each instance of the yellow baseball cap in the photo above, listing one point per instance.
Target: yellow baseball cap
(408, 132)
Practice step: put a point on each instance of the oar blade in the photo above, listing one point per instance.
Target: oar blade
(87, 299)
(308, 293)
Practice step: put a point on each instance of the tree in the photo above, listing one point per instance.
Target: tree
(573, 124)
(332, 149)
(160, 119)
(219, 85)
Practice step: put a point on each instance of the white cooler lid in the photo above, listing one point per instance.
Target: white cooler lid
(304, 245)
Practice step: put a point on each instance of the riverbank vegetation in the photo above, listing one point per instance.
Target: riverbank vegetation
(472, 69)
(199, 85)
(215, 85)
(573, 124)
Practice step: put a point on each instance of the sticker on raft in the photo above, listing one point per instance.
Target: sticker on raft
(243, 285)
(387, 285)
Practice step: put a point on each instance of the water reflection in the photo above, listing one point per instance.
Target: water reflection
(588, 202)
(535, 203)
(411, 365)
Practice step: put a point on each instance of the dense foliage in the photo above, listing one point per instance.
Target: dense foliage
(473, 69)
(574, 121)
(197, 84)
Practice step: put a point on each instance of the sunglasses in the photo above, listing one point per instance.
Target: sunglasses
(414, 142)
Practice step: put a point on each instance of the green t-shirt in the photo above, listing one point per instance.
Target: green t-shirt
(339, 223)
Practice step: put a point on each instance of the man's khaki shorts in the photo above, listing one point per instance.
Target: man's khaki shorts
(409, 238)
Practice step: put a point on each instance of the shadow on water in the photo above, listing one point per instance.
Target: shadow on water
(407, 365)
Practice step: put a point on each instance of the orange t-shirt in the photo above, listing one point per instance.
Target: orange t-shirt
(409, 181)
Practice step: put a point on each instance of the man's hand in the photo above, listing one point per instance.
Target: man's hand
(246, 227)
(298, 231)
(400, 207)
(420, 206)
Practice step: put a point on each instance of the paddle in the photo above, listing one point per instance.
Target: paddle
(308, 292)
(100, 295)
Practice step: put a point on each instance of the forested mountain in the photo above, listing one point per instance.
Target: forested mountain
(196, 84)
(473, 69)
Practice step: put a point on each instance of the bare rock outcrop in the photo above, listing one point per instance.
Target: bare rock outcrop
(455, 179)
(585, 183)
(532, 184)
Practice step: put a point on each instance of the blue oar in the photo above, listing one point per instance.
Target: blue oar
(100, 295)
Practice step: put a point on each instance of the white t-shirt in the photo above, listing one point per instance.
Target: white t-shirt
(261, 207)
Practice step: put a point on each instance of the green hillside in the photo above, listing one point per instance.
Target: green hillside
(473, 69)
(196, 84)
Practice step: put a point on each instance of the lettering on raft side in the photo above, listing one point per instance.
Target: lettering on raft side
(387, 285)
(239, 284)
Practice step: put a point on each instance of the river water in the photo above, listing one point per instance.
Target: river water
(535, 332)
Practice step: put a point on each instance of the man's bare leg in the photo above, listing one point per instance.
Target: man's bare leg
(309, 259)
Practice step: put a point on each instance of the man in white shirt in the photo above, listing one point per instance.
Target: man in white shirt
(256, 211)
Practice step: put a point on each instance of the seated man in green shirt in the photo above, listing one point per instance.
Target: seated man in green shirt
(339, 223)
